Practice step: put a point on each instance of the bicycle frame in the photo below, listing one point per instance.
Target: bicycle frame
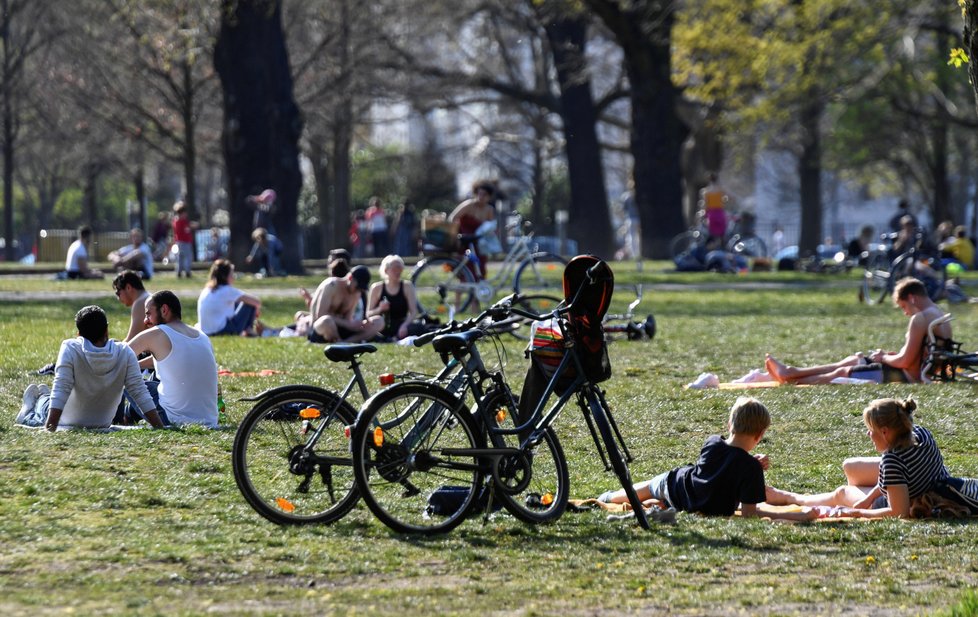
(517, 254)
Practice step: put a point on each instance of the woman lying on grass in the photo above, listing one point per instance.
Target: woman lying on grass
(908, 480)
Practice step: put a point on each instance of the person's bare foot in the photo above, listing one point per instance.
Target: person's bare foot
(777, 497)
(776, 369)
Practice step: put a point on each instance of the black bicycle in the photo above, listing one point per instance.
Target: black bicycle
(291, 454)
(415, 443)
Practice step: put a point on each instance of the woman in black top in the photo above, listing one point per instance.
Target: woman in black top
(393, 298)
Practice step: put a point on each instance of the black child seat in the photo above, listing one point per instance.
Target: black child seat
(588, 286)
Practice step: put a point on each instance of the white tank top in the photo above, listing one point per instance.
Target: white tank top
(188, 379)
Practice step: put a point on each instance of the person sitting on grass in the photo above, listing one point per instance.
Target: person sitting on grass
(333, 310)
(183, 359)
(895, 484)
(222, 308)
(134, 256)
(880, 366)
(89, 378)
(129, 289)
(725, 475)
(77, 264)
(394, 300)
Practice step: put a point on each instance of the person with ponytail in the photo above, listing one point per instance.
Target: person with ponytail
(909, 467)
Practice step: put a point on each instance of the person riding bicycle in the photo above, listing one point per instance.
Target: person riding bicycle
(473, 213)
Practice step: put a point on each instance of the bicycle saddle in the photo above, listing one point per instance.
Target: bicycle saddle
(343, 352)
(447, 343)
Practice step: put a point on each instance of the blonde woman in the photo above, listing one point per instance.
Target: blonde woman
(393, 299)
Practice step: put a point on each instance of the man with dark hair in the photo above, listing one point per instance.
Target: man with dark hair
(186, 392)
(89, 377)
(134, 256)
(333, 310)
(76, 263)
(129, 289)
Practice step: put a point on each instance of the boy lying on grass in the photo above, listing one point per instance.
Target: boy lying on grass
(909, 479)
(725, 476)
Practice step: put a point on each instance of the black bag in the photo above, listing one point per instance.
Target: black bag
(588, 286)
(446, 501)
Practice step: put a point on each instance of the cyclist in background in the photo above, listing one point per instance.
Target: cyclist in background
(473, 213)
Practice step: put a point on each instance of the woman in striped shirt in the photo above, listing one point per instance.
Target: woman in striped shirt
(910, 465)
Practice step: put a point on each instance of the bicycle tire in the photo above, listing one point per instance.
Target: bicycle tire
(438, 281)
(541, 273)
(747, 245)
(545, 497)
(600, 415)
(419, 423)
(685, 242)
(268, 468)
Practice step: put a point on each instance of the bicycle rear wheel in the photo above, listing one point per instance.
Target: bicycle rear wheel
(440, 282)
(409, 443)
(545, 497)
(541, 273)
(876, 283)
(602, 420)
(282, 478)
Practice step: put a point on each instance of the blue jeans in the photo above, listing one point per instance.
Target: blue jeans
(185, 257)
(129, 412)
(37, 415)
(243, 319)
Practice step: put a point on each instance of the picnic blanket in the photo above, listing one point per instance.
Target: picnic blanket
(265, 372)
(106, 429)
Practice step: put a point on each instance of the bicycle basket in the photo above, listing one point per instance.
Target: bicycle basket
(588, 287)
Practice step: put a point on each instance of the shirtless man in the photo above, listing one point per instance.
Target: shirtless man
(880, 366)
(129, 289)
(333, 306)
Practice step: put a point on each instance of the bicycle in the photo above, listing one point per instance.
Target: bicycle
(741, 240)
(633, 330)
(414, 440)
(442, 278)
(881, 273)
(273, 461)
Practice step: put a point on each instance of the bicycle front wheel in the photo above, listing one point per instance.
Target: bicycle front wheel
(440, 282)
(412, 459)
(545, 497)
(541, 273)
(283, 476)
(602, 420)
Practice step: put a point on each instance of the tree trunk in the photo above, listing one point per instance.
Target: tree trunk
(644, 33)
(262, 124)
(189, 144)
(589, 221)
(810, 175)
(341, 175)
(8, 138)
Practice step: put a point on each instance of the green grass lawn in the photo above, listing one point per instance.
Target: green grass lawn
(144, 523)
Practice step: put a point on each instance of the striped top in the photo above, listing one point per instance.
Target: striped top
(918, 467)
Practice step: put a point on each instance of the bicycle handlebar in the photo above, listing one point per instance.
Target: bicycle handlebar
(497, 312)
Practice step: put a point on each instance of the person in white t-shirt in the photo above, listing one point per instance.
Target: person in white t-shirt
(134, 256)
(76, 262)
(89, 378)
(183, 358)
(224, 309)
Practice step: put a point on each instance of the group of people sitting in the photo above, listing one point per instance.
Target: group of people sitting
(98, 381)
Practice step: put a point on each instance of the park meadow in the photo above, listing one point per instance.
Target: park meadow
(151, 522)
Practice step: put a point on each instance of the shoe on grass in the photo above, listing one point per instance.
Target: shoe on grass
(30, 400)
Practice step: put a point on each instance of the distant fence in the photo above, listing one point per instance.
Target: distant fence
(52, 244)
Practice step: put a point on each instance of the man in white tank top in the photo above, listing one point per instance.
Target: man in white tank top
(184, 359)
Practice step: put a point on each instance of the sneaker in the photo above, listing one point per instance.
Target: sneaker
(43, 390)
(30, 400)
(659, 515)
(47, 369)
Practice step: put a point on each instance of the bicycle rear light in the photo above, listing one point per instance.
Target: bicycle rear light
(386, 379)
(378, 437)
